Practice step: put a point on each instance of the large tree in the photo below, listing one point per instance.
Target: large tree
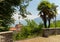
(47, 12)
(7, 9)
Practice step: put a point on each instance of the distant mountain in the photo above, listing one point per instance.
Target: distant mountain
(38, 20)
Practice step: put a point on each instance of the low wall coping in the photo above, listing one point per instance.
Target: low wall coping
(6, 32)
(50, 28)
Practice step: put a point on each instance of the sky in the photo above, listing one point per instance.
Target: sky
(32, 8)
(34, 4)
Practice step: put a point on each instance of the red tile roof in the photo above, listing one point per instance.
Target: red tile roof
(12, 29)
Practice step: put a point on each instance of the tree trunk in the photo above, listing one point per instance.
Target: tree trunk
(48, 23)
(45, 25)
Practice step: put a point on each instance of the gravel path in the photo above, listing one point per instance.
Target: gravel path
(55, 38)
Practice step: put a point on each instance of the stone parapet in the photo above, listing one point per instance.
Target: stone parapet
(6, 36)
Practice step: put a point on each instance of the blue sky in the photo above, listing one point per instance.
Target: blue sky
(34, 4)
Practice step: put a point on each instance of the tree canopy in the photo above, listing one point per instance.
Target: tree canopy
(23, 5)
(6, 10)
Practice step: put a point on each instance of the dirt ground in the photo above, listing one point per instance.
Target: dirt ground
(55, 38)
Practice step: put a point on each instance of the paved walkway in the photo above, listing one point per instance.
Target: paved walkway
(55, 38)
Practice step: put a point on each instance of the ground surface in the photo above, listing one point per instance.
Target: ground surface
(55, 38)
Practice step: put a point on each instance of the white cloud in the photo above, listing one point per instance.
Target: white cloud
(58, 13)
(15, 16)
(28, 16)
(31, 17)
(58, 10)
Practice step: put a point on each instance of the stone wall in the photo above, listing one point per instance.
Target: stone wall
(50, 31)
(6, 36)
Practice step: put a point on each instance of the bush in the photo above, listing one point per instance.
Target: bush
(29, 31)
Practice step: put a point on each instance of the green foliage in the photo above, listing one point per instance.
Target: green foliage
(23, 5)
(44, 4)
(32, 23)
(29, 31)
(6, 11)
(4, 28)
(57, 24)
(47, 8)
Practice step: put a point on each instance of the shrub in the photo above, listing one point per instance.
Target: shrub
(29, 31)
